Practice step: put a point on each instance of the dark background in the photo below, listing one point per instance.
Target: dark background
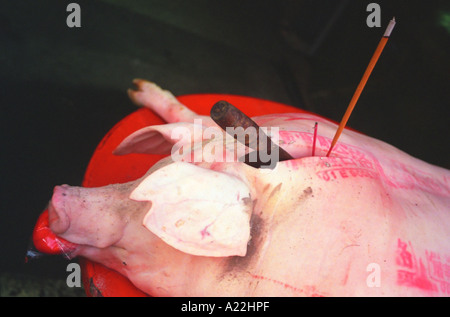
(62, 89)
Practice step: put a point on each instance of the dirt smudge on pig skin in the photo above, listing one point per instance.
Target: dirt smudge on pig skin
(236, 267)
(240, 263)
(308, 191)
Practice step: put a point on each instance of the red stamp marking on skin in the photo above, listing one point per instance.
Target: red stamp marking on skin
(340, 150)
(433, 274)
(345, 167)
(307, 291)
(353, 162)
(293, 164)
(439, 270)
(407, 177)
(350, 161)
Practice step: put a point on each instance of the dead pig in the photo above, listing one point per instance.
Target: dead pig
(311, 226)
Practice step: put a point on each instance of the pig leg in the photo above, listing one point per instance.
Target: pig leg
(162, 102)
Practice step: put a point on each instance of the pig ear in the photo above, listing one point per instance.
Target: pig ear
(158, 139)
(196, 210)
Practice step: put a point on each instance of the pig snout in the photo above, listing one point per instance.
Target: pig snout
(58, 218)
(89, 216)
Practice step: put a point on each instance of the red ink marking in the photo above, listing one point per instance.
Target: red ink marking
(344, 167)
(417, 279)
(293, 164)
(433, 276)
(343, 173)
(344, 281)
(307, 291)
(404, 257)
(407, 177)
(289, 137)
(439, 270)
(356, 162)
(205, 232)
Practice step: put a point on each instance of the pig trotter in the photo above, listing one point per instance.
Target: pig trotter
(163, 102)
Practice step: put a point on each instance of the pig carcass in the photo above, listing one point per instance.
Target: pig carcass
(369, 220)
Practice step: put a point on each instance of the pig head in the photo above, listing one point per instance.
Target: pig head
(150, 227)
(369, 220)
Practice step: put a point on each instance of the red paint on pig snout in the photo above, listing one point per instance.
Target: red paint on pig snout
(46, 241)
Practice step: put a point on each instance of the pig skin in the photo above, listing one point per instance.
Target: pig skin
(320, 226)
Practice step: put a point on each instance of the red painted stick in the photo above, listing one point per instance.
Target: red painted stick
(314, 140)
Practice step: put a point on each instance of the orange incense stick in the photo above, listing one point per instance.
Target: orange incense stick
(362, 83)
